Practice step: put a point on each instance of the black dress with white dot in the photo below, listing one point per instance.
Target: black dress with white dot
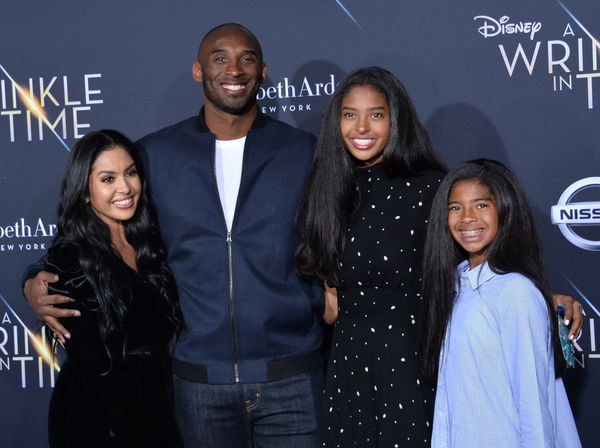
(375, 396)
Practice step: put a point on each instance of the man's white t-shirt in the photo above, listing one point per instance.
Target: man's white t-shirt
(229, 156)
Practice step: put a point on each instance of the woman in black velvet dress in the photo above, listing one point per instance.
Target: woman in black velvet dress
(363, 221)
(114, 387)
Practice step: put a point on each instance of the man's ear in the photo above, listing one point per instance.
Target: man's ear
(197, 71)
(263, 73)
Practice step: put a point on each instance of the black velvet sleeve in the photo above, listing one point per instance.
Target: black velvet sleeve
(85, 347)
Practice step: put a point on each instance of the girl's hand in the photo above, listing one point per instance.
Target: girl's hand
(573, 314)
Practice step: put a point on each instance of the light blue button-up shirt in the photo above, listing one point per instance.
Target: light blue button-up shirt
(496, 384)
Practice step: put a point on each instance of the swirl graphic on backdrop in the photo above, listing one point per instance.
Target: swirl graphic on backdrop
(32, 103)
(347, 12)
(590, 325)
(577, 21)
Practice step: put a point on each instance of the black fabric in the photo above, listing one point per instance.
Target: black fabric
(198, 373)
(124, 400)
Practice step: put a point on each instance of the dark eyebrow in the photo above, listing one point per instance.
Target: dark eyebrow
(370, 108)
(222, 50)
(114, 172)
(471, 201)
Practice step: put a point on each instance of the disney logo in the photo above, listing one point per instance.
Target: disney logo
(492, 27)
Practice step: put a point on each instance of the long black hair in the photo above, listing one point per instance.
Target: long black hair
(516, 248)
(80, 227)
(331, 195)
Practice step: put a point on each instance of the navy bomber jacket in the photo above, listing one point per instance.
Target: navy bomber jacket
(249, 317)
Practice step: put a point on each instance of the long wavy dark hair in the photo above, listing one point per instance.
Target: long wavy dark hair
(331, 196)
(516, 248)
(79, 226)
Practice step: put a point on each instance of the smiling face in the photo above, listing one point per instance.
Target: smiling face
(365, 124)
(231, 69)
(472, 218)
(114, 186)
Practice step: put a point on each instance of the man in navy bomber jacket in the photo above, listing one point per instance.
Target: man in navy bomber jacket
(226, 183)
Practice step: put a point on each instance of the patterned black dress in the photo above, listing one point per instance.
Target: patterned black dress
(375, 396)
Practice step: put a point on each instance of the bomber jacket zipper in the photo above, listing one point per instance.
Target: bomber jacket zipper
(229, 240)
(236, 367)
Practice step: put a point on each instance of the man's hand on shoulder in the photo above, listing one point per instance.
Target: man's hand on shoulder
(35, 291)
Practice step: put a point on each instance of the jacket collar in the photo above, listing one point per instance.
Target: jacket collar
(200, 124)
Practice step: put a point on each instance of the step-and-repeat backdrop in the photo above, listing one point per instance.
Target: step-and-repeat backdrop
(517, 81)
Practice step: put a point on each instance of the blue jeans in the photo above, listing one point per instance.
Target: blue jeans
(286, 413)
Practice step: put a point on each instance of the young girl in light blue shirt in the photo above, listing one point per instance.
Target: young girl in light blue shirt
(490, 334)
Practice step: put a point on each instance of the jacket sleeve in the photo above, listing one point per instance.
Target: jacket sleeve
(32, 271)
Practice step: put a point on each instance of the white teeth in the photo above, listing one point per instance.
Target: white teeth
(471, 233)
(123, 202)
(363, 141)
(234, 86)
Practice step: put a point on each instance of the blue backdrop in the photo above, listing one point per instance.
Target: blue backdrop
(515, 81)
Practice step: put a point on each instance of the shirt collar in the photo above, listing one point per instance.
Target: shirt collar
(478, 275)
(200, 124)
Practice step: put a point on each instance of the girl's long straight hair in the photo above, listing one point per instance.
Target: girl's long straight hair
(516, 248)
(331, 196)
